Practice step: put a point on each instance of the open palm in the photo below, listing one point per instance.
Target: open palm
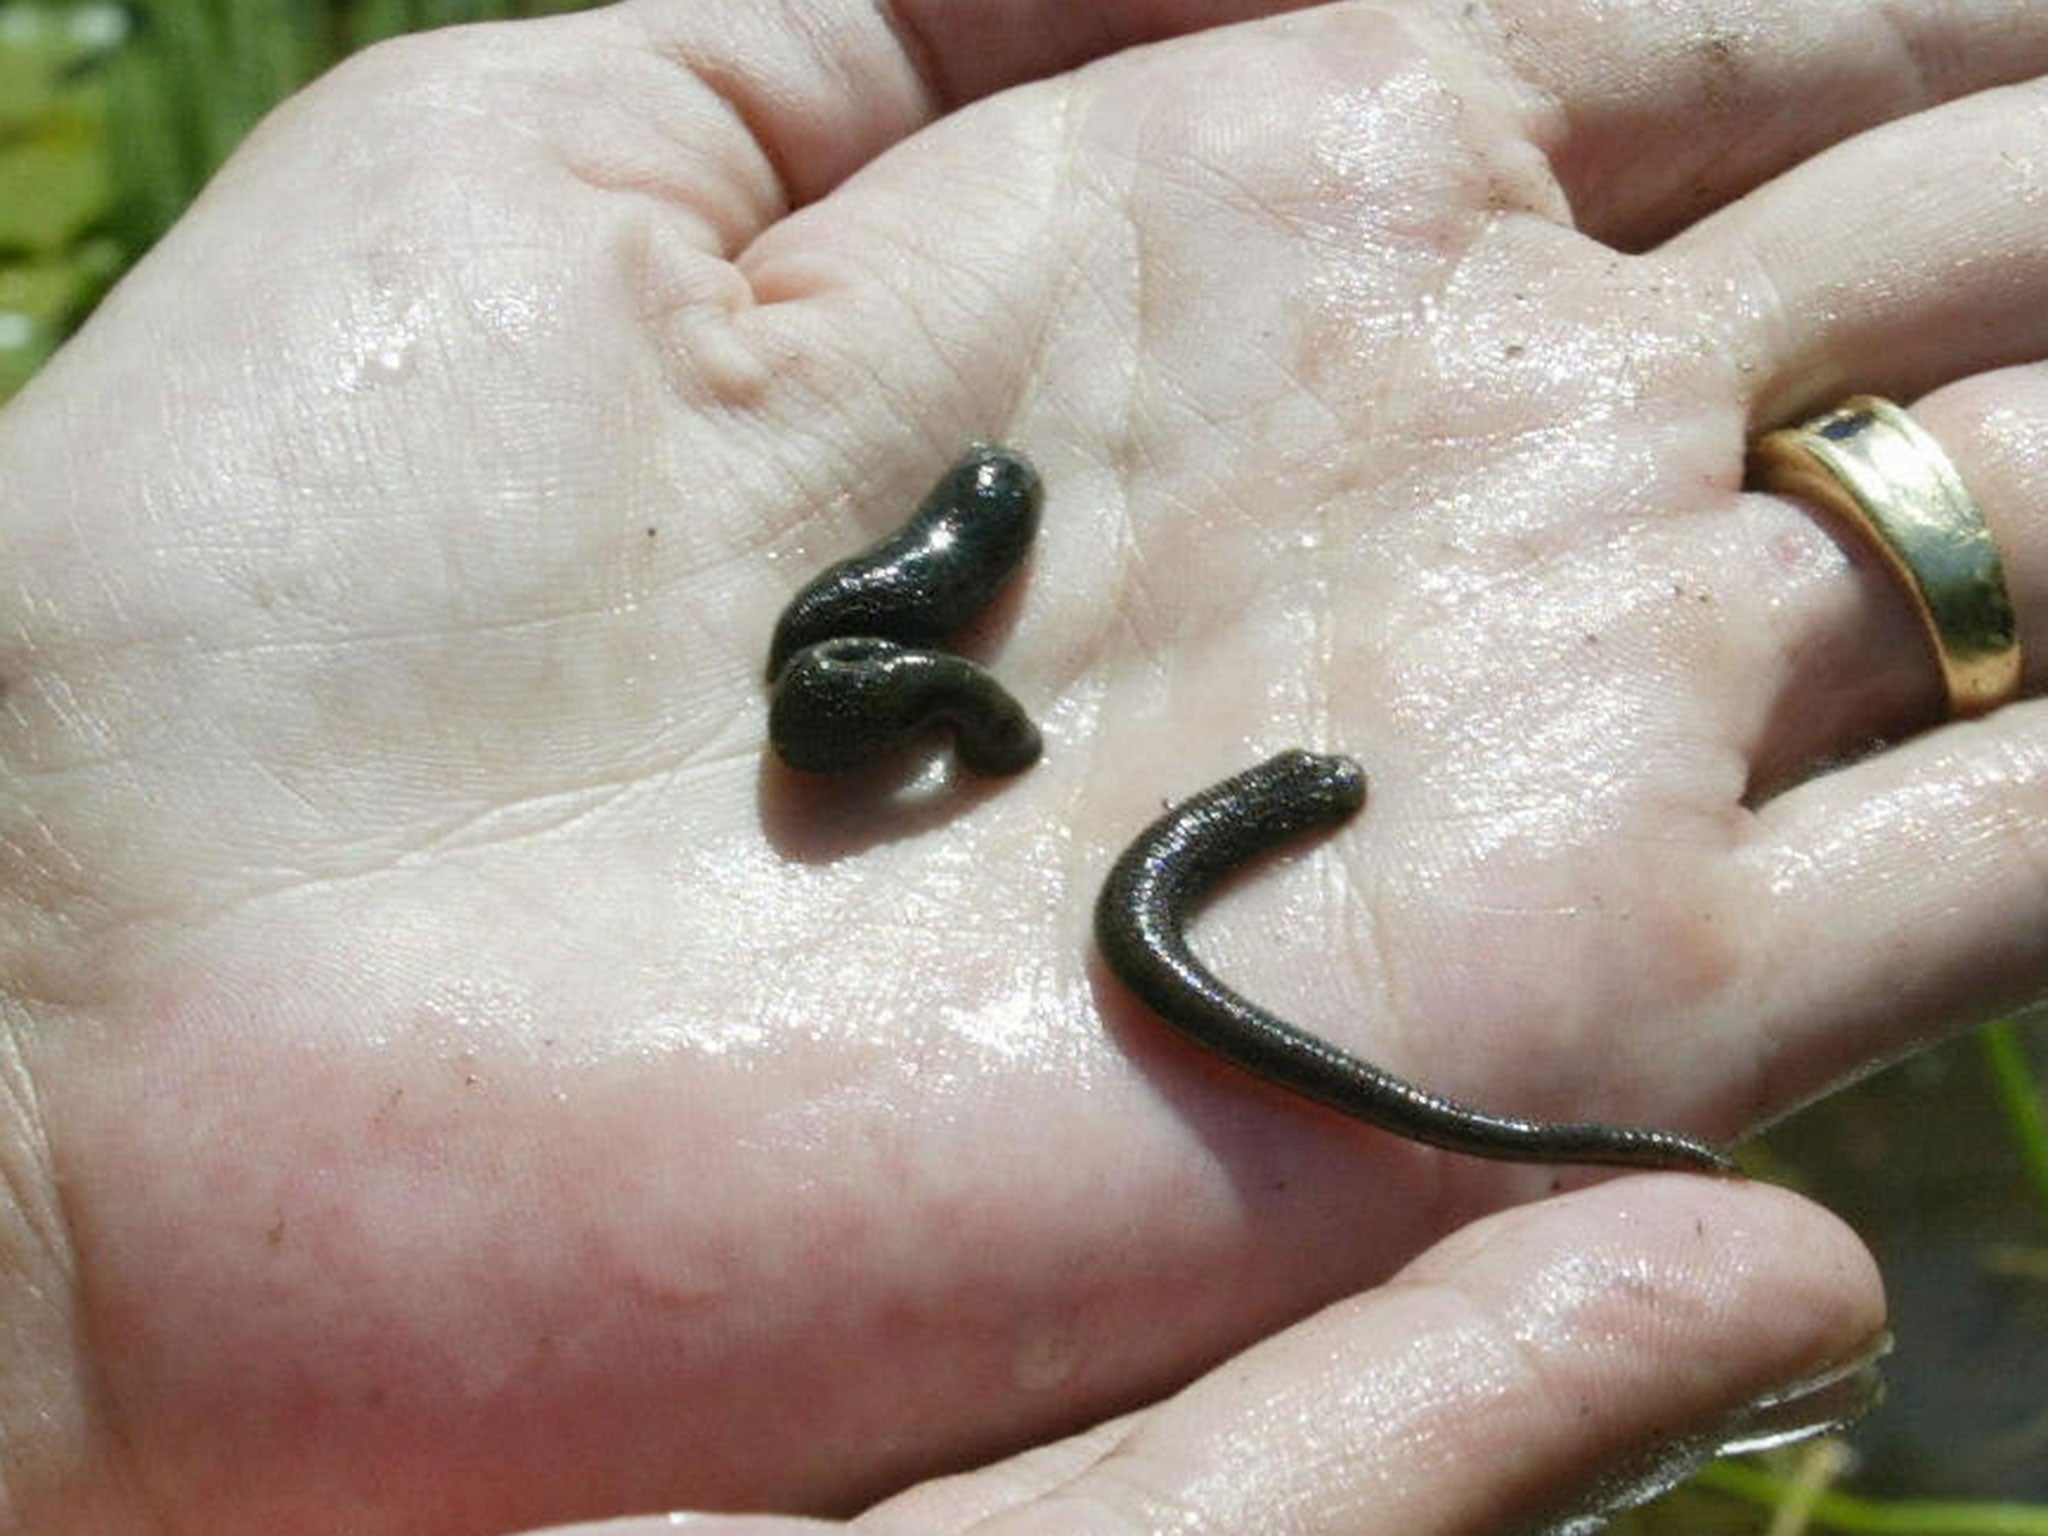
(484, 1087)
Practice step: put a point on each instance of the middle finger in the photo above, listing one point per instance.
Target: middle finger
(1668, 111)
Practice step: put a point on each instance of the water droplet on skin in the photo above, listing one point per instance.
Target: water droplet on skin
(383, 347)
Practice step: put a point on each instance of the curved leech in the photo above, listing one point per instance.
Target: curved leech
(920, 583)
(842, 702)
(853, 669)
(1158, 881)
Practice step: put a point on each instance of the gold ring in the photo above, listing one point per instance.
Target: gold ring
(1876, 468)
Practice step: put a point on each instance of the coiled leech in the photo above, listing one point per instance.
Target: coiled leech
(1156, 884)
(854, 669)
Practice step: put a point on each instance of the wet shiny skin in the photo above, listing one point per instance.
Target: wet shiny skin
(856, 674)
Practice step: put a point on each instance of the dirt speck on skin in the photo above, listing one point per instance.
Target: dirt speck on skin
(1720, 63)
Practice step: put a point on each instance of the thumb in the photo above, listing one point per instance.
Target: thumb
(1534, 1371)
(1549, 1364)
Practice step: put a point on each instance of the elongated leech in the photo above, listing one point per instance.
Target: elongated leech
(1140, 922)
(917, 585)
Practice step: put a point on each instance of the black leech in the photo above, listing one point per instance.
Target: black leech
(841, 702)
(1159, 880)
(920, 583)
(853, 670)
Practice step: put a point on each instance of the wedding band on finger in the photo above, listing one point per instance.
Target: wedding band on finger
(1871, 464)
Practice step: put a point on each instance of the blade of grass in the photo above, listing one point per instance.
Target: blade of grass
(2019, 1096)
(1820, 1464)
(276, 49)
(371, 21)
(1853, 1516)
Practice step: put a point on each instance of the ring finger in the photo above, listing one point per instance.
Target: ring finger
(1908, 262)
(1900, 261)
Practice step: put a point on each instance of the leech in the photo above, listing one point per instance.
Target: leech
(1161, 878)
(840, 703)
(854, 672)
(917, 585)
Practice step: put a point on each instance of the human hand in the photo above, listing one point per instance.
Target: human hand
(484, 1091)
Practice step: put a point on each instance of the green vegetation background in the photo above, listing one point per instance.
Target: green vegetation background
(113, 115)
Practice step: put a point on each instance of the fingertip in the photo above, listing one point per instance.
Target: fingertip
(1553, 1362)
(1762, 1280)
